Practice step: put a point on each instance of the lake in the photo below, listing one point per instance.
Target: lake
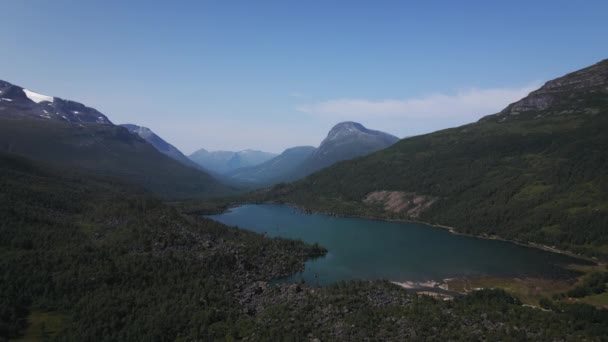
(374, 249)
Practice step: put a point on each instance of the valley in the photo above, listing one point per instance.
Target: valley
(85, 257)
(291, 214)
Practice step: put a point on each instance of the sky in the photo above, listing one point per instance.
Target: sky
(268, 75)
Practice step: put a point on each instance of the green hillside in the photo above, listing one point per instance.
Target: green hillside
(89, 260)
(94, 260)
(106, 150)
(536, 172)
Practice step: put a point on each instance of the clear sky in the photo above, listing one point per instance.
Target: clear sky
(274, 74)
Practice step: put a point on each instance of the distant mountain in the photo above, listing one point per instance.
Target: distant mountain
(277, 169)
(160, 144)
(70, 134)
(345, 140)
(226, 161)
(535, 172)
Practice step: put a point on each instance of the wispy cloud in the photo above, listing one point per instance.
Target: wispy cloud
(470, 104)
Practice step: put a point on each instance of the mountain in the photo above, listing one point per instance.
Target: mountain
(535, 172)
(226, 161)
(277, 169)
(18, 102)
(346, 140)
(70, 134)
(160, 144)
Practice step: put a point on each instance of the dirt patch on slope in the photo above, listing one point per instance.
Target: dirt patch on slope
(409, 203)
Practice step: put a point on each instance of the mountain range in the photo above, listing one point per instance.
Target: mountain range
(69, 134)
(225, 161)
(346, 140)
(534, 172)
(83, 252)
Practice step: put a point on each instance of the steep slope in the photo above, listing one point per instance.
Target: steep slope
(534, 172)
(277, 169)
(160, 144)
(78, 136)
(226, 161)
(346, 140)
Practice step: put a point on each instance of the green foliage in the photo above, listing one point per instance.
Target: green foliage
(120, 265)
(83, 259)
(595, 283)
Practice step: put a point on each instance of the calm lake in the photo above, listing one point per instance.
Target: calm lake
(373, 249)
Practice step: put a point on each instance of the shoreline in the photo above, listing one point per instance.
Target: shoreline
(450, 229)
(526, 289)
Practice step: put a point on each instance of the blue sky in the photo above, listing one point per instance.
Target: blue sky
(273, 74)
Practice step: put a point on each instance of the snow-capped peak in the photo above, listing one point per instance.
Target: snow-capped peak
(36, 97)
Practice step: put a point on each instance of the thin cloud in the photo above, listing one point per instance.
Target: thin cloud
(471, 103)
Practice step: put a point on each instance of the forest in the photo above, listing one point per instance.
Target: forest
(90, 259)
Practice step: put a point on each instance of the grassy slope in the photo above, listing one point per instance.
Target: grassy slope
(542, 180)
(108, 151)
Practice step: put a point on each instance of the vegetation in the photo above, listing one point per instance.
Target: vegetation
(87, 259)
(108, 151)
(536, 176)
(120, 265)
(380, 311)
(595, 283)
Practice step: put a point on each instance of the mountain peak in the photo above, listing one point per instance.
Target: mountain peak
(347, 127)
(18, 102)
(351, 129)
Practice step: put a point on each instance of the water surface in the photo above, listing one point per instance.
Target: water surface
(374, 249)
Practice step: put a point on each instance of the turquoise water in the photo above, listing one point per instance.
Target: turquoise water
(374, 249)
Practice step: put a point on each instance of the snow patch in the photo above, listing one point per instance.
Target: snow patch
(5, 99)
(38, 97)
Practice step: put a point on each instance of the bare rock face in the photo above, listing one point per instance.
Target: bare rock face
(409, 203)
(564, 90)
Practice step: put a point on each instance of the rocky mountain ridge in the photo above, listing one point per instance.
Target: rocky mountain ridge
(21, 102)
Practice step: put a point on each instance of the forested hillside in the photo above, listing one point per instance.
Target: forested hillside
(117, 264)
(88, 259)
(535, 172)
(106, 150)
